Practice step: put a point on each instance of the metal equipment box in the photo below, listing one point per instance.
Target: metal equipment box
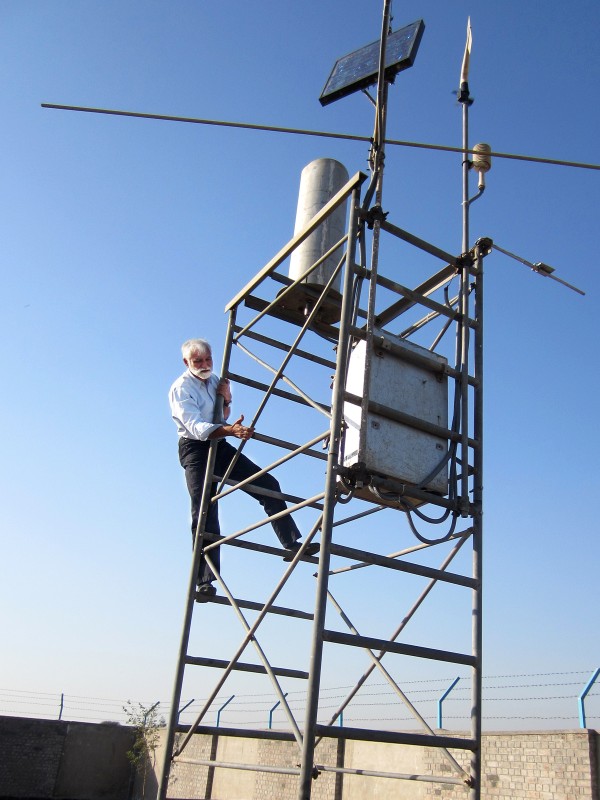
(406, 382)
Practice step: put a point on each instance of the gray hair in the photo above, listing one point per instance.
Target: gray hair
(195, 345)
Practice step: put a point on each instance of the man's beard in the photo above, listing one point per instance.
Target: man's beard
(203, 374)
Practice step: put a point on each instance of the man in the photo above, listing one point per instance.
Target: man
(192, 398)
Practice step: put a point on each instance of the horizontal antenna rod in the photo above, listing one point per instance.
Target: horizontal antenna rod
(326, 134)
(539, 267)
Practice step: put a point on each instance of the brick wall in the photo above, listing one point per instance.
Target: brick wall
(67, 760)
(189, 780)
(546, 765)
(30, 754)
(77, 761)
(549, 765)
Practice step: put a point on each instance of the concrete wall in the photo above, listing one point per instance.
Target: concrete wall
(67, 760)
(546, 765)
(193, 781)
(46, 760)
(549, 765)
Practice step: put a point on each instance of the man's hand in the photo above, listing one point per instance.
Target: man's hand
(224, 389)
(240, 431)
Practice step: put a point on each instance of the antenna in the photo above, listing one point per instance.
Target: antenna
(539, 267)
(482, 163)
(466, 101)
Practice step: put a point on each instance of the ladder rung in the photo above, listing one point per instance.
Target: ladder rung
(261, 437)
(207, 762)
(394, 737)
(341, 732)
(405, 303)
(219, 663)
(287, 612)
(263, 387)
(398, 647)
(243, 733)
(282, 345)
(403, 566)
(258, 304)
(291, 498)
(372, 773)
(265, 548)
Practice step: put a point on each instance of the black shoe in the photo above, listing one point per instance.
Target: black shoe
(206, 590)
(292, 549)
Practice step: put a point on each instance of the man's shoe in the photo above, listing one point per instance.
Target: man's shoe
(206, 590)
(291, 551)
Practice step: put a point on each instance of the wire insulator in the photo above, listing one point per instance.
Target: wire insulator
(482, 161)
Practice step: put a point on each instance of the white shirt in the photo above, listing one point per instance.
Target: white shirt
(192, 402)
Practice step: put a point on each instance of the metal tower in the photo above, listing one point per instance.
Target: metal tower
(393, 444)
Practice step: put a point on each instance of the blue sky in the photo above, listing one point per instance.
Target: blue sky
(123, 237)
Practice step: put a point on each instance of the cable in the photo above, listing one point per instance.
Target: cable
(325, 134)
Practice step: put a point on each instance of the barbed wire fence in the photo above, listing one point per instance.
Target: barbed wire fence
(526, 701)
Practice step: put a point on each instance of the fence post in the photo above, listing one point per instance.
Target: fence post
(183, 708)
(442, 698)
(272, 710)
(583, 695)
(222, 707)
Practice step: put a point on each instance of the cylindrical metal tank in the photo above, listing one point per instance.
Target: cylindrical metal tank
(319, 182)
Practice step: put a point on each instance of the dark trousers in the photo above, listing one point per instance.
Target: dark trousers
(193, 456)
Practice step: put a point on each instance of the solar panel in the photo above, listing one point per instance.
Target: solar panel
(359, 69)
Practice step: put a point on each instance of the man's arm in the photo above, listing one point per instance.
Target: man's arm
(224, 389)
(237, 430)
(191, 417)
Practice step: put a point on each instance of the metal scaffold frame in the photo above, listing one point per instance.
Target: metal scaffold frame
(463, 501)
(464, 438)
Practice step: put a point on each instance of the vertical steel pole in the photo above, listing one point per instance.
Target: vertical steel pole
(191, 596)
(337, 409)
(228, 344)
(377, 165)
(466, 101)
(477, 619)
(183, 646)
(477, 626)
(464, 307)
